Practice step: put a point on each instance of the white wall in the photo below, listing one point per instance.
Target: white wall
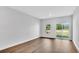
(16, 27)
(53, 22)
(76, 28)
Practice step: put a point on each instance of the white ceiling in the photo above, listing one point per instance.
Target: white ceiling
(42, 12)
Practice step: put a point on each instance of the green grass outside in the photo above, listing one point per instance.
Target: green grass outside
(64, 34)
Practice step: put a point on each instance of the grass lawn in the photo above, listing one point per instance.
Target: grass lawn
(62, 33)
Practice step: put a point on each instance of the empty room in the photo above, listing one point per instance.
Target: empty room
(39, 29)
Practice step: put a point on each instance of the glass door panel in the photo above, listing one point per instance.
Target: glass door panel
(65, 30)
(59, 30)
(62, 30)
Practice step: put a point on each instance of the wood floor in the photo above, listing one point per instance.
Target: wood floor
(43, 45)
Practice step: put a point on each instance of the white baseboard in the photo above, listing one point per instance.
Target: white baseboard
(76, 45)
(18, 43)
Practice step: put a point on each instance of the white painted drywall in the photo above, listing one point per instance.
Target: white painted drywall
(76, 28)
(53, 22)
(16, 27)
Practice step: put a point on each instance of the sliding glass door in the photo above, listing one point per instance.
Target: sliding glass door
(63, 31)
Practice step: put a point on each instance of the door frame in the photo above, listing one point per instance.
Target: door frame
(70, 30)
